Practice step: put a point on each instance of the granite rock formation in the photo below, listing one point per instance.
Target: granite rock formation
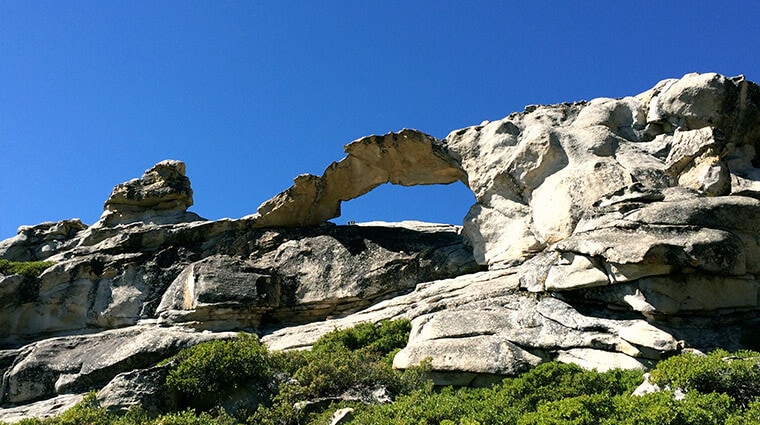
(607, 233)
(162, 195)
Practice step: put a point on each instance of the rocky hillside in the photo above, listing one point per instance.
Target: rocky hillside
(608, 233)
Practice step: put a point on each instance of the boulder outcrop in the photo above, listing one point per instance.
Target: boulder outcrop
(36, 243)
(162, 195)
(607, 233)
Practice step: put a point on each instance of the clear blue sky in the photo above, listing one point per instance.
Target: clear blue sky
(251, 94)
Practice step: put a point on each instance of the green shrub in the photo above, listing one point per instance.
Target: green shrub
(657, 408)
(663, 408)
(587, 409)
(206, 372)
(190, 417)
(419, 407)
(26, 268)
(382, 338)
(358, 359)
(737, 375)
(569, 387)
(750, 416)
(556, 381)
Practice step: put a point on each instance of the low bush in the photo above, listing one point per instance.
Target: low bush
(737, 375)
(662, 408)
(207, 372)
(557, 381)
(26, 268)
(553, 392)
(356, 360)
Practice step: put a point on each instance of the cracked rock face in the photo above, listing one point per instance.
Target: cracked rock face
(608, 233)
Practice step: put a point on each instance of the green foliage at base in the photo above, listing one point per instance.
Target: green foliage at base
(357, 359)
(737, 374)
(721, 389)
(207, 372)
(569, 388)
(26, 268)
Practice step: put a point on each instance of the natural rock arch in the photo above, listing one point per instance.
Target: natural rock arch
(407, 158)
(541, 175)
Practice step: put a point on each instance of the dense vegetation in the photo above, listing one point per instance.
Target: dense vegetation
(26, 268)
(347, 368)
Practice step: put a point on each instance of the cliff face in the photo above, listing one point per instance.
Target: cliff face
(607, 233)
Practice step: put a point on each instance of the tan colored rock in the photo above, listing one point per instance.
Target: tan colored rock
(537, 174)
(341, 416)
(41, 409)
(407, 158)
(500, 232)
(709, 175)
(162, 195)
(653, 249)
(35, 243)
(694, 292)
(643, 334)
(145, 388)
(311, 274)
(613, 232)
(476, 326)
(163, 187)
(688, 145)
(69, 364)
(659, 297)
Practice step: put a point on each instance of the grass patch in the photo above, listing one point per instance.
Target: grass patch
(26, 268)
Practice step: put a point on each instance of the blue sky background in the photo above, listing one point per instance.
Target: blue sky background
(251, 94)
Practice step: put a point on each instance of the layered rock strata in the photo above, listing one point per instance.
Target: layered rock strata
(162, 195)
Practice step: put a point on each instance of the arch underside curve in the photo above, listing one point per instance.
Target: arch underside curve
(406, 158)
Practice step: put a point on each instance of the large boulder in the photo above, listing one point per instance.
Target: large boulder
(145, 388)
(161, 195)
(80, 363)
(637, 216)
(314, 274)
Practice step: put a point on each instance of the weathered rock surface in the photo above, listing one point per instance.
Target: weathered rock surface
(80, 363)
(140, 387)
(408, 158)
(608, 233)
(36, 243)
(41, 409)
(162, 195)
(313, 274)
(227, 275)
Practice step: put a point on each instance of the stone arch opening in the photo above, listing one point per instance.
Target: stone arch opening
(439, 203)
(406, 158)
